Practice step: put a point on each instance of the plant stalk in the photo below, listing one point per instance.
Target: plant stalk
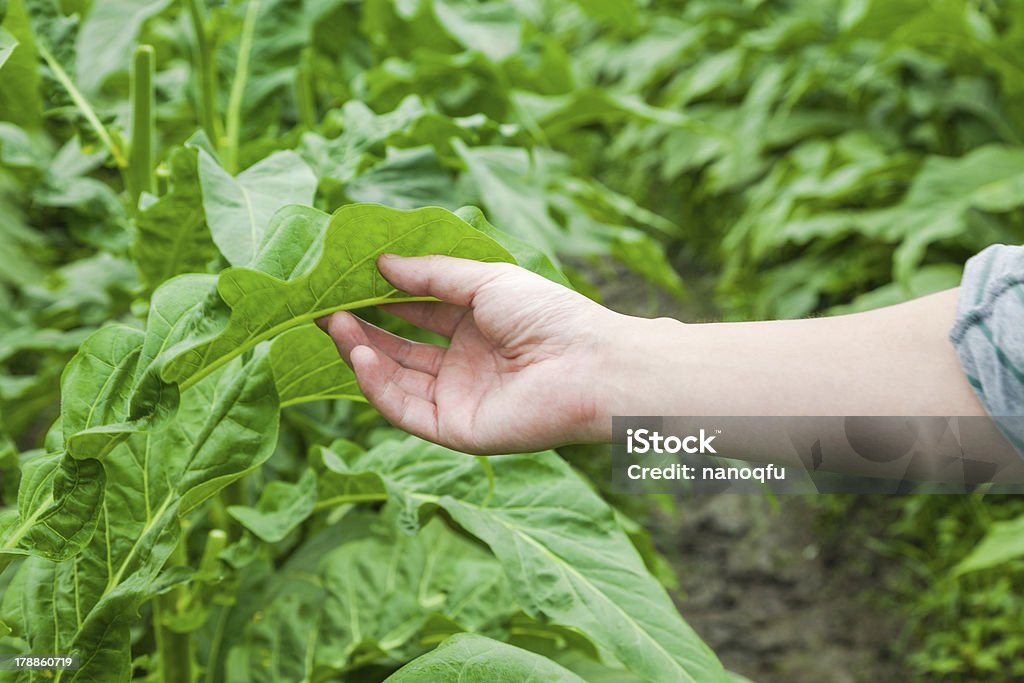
(207, 74)
(234, 114)
(140, 166)
(233, 494)
(175, 649)
(216, 541)
(305, 93)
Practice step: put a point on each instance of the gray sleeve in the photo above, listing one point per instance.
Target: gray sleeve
(989, 334)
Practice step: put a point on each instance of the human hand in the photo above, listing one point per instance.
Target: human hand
(518, 375)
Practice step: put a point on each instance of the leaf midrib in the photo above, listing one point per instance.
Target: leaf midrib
(568, 569)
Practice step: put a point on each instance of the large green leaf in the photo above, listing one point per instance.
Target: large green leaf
(493, 29)
(359, 592)
(282, 507)
(226, 426)
(935, 208)
(407, 179)
(171, 235)
(160, 460)
(302, 272)
(470, 658)
(564, 553)
(307, 367)
(98, 380)
(512, 189)
(238, 209)
(59, 503)
(526, 255)
(111, 387)
(523, 193)
(107, 36)
(339, 160)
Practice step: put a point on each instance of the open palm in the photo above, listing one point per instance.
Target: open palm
(515, 374)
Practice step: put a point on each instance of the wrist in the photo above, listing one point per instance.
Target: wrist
(634, 367)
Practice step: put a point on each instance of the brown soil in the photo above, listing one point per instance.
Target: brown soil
(775, 600)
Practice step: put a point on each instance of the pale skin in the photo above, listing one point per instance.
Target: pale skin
(531, 364)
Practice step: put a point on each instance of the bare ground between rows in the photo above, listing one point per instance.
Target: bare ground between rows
(776, 601)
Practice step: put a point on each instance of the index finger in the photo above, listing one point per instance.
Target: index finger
(450, 279)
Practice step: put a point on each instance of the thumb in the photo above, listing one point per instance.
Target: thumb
(447, 278)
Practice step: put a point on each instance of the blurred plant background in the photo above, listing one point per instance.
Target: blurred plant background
(710, 159)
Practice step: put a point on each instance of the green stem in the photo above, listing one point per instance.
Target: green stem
(305, 94)
(218, 514)
(233, 494)
(206, 70)
(485, 463)
(140, 168)
(163, 180)
(174, 649)
(83, 106)
(216, 541)
(234, 115)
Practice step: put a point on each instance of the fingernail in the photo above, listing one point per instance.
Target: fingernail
(388, 256)
(323, 322)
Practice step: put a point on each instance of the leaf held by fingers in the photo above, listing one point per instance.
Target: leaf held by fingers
(307, 367)
(310, 265)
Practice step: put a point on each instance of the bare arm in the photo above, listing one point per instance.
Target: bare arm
(533, 365)
(891, 361)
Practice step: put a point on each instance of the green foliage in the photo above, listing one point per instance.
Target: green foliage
(1003, 542)
(179, 411)
(7, 45)
(886, 130)
(307, 267)
(560, 536)
(468, 657)
(960, 592)
(191, 483)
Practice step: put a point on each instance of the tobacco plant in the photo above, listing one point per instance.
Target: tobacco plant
(186, 188)
(155, 422)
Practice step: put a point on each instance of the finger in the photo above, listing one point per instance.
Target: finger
(380, 381)
(436, 317)
(348, 332)
(425, 358)
(450, 279)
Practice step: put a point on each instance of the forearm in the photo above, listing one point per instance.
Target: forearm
(895, 361)
(892, 361)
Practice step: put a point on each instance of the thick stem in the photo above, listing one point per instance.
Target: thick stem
(216, 541)
(140, 167)
(206, 70)
(234, 114)
(163, 180)
(175, 651)
(305, 93)
(233, 494)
